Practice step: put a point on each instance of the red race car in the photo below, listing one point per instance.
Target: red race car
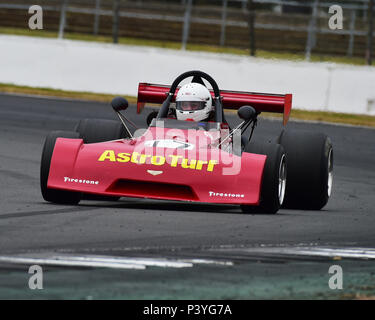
(201, 161)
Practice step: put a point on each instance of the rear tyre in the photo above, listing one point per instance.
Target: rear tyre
(310, 169)
(151, 116)
(274, 178)
(55, 195)
(100, 130)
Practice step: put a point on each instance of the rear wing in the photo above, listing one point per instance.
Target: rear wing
(262, 102)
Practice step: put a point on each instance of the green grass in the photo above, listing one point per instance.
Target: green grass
(325, 116)
(89, 96)
(344, 118)
(190, 47)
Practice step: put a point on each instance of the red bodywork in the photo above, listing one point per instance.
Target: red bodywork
(136, 168)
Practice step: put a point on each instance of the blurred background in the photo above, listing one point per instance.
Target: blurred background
(265, 28)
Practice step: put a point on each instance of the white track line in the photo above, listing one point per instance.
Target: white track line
(107, 261)
(205, 261)
(354, 253)
(70, 263)
(148, 262)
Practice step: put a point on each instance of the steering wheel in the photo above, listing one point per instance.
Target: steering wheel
(163, 112)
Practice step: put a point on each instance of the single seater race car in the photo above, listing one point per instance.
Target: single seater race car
(203, 161)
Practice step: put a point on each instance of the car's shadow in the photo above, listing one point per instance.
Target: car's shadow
(176, 206)
(152, 205)
(161, 205)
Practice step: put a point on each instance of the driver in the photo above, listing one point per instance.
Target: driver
(194, 103)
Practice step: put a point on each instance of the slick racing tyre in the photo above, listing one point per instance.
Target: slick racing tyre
(274, 177)
(100, 130)
(151, 116)
(309, 167)
(54, 195)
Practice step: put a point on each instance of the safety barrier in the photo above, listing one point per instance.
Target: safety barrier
(117, 69)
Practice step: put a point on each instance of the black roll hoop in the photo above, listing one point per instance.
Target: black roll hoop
(163, 112)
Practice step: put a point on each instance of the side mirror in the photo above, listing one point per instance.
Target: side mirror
(119, 103)
(247, 113)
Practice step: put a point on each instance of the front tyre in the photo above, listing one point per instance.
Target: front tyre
(55, 195)
(100, 130)
(274, 178)
(310, 169)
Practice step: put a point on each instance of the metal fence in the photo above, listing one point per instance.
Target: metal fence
(292, 26)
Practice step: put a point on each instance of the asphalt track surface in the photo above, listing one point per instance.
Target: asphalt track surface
(30, 225)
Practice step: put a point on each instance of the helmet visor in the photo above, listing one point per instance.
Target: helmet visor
(190, 105)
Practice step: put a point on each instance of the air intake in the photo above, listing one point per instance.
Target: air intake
(149, 189)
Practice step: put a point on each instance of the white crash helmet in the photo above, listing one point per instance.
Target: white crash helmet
(193, 102)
